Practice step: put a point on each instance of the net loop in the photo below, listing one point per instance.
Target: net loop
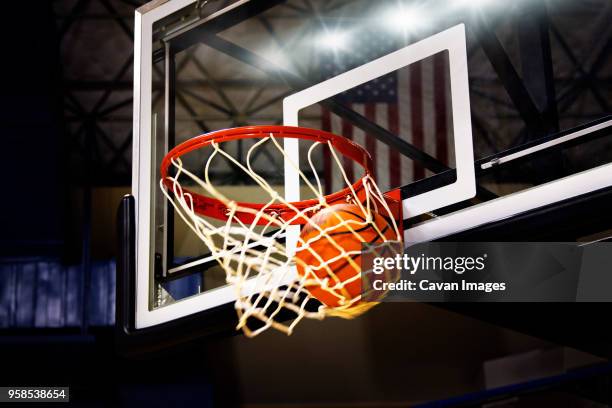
(256, 243)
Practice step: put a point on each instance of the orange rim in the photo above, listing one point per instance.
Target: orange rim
(212, 207)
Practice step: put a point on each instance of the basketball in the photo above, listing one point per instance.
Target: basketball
(347, 227)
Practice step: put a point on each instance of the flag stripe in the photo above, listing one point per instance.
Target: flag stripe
(338, 182)
(428, 103)
(382, 149)
(405, 123)
(347, 163)
(370, 114)
(416, 114)
(440, 111)
(327, 164)
(359, 136)
(395, 170)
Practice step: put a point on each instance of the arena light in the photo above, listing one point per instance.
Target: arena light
(277, 57)
(472, 3)
(335, 40)
(405, 19)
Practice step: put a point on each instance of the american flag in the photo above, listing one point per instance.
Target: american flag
(412, 103)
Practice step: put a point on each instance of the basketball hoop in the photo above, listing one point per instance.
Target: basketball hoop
(273, 283)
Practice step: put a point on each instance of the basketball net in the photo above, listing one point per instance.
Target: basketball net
(258, 263)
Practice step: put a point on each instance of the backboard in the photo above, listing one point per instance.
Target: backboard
(428, 90)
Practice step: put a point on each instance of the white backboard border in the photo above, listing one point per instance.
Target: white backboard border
(451, 40)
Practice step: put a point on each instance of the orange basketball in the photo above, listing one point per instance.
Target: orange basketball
(331, 220)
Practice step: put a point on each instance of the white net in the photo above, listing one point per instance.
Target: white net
(274, 286)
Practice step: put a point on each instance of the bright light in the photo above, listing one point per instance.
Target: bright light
(405, 19)
(277, 57)
(472, 3)
(335, 40)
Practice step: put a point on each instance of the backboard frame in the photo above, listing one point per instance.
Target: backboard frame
(441, 226)
(451, 40)
(143, 170)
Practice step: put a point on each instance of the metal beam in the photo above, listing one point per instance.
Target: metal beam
(170, 97)
(507, 74)
(536, 65)
(591, 83)
(193, 33)
(575, 90)
(76, 9)
(536, 61)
